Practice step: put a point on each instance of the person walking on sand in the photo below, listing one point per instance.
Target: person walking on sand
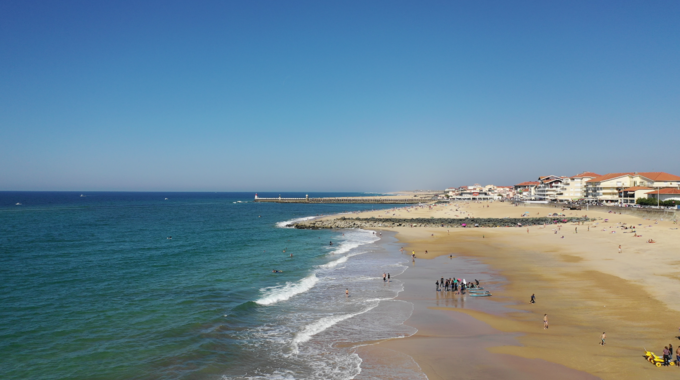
(619, 248)
(545, 321)
(575, 230)
(533, 298)
(604, 336)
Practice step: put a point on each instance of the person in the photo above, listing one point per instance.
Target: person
(666, 354)
(331, 243)
(619, 248)
(603, 338)
(346, 292)
(450, 256)
(545, 321)
(388, 277)
(291, 255)
(477, 282)
(677, 356)
(533, 298)
(436, 283)
(575, 229)
(384, 277)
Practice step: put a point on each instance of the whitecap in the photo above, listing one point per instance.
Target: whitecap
(287, 223)
(323, 324)
(276, 294)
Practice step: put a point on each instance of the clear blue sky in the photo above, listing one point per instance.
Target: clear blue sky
(343, 96)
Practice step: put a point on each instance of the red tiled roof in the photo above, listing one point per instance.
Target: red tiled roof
(586, 174)
(667, 190)
(636, 188)
(654, 176)
(529, 183)
(609, 176)
(660, 176)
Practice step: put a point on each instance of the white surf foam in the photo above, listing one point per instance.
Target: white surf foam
(276, 294)
(285, 224)
(324, 324)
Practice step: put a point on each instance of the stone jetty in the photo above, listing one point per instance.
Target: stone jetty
(354, 200)
(344, 222)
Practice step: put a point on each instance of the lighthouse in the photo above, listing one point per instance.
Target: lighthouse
(255, 195)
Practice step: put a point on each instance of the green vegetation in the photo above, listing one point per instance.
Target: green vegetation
(653, 202)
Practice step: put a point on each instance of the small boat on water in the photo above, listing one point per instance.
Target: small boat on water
(82, 196)
(166, 199)
(18, 204)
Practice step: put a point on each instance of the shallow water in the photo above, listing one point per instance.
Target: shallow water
(93, 288)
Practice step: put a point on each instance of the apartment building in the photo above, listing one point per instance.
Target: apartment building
(526, 190)
(574, 187)
(549, 188)
(617, 187)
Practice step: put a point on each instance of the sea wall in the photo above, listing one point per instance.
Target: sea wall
(646, 213)
(431, 222)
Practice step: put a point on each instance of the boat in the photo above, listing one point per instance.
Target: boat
(480, 295)
(18, 204)
(82, 196)
(166, 199)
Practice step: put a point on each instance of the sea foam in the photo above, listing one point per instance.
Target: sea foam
(285, 223)
(281, 293)
(324, 324)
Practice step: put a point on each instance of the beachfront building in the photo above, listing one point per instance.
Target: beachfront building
(549, 188)
(618, 187)
(474, 195)
(526, 190)
(629, 195)
(574, 188)
(505, 192)
(667, 194)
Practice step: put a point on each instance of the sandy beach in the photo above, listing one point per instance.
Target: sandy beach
(580, 279)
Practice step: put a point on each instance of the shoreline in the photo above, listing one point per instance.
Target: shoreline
(580, 280)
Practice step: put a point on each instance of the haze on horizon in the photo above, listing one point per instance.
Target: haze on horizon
(333, 96)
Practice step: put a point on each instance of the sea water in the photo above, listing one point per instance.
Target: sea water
(180, 285)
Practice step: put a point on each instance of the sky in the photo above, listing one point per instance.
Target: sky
(333, 96)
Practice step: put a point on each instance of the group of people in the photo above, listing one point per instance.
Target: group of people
(668, 355)
(455, 284)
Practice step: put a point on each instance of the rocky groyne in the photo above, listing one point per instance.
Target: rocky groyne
(344, 222)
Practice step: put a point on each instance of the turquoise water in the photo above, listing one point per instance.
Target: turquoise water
(93, 288)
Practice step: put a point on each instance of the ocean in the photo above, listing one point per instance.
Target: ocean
(115, 285)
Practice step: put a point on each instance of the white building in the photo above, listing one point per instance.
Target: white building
(549, 188)
(574, 188)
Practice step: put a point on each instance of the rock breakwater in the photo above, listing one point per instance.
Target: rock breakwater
(344, 222)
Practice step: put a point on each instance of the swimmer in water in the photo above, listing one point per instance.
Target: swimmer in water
(331, 243)
(346, 292)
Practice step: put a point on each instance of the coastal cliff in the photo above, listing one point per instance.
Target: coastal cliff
(431, 222)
